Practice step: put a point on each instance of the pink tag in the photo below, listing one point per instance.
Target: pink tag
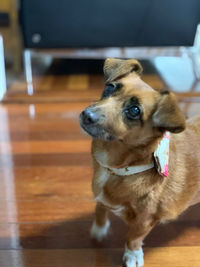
(161, 155)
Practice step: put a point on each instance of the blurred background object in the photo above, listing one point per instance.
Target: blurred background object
(162, 32)
(113, 23)
(54, 55)
(9, 28)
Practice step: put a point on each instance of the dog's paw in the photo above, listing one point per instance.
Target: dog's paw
(98, 232)
(133, 258)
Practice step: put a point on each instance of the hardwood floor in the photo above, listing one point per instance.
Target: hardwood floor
(46, 204)
(64, 88)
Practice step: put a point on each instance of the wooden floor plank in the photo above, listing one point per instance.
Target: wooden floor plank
(45, 210)
(45, 147)
(156, 257)
(65, 159)
(23, 135)
(80, 81)
(37, 183)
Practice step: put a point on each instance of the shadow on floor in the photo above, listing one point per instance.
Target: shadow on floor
(75, 233)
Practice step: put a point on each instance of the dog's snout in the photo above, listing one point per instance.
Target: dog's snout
(89, 117)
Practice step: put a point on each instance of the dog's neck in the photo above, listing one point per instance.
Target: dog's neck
(119, 155)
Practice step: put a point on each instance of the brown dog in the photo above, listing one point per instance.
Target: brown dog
(127, 125)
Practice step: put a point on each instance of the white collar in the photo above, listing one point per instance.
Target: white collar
(161, 158)
(129, 170)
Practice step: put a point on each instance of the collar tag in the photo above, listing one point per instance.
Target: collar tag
(161, 155)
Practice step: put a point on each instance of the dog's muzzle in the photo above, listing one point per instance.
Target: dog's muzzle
(92, 122)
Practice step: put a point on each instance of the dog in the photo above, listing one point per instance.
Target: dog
(146, 156)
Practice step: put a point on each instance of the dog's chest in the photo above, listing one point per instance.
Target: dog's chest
(100, 196)
(116, 209)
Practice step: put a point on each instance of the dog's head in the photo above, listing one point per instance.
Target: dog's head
(130, 110)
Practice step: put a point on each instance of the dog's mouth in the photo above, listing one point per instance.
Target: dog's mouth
(96, 131)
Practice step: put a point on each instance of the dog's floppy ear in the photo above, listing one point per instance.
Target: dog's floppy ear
(117, 68)
(168, 116)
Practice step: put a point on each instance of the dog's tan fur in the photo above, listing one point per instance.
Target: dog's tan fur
(146, 198)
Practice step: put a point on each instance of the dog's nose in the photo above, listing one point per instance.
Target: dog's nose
(89, 117)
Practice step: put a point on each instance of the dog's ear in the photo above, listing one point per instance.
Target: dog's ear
(168, 116)
(117, 68)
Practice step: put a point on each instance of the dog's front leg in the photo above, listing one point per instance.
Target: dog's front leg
(101, 223)
(133, 255)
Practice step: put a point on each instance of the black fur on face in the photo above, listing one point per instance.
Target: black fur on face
(111, 89)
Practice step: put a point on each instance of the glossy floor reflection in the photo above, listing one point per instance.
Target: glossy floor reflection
(46, 206)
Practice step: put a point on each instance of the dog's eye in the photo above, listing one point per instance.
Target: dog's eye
(109, 90)
(132, 112)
